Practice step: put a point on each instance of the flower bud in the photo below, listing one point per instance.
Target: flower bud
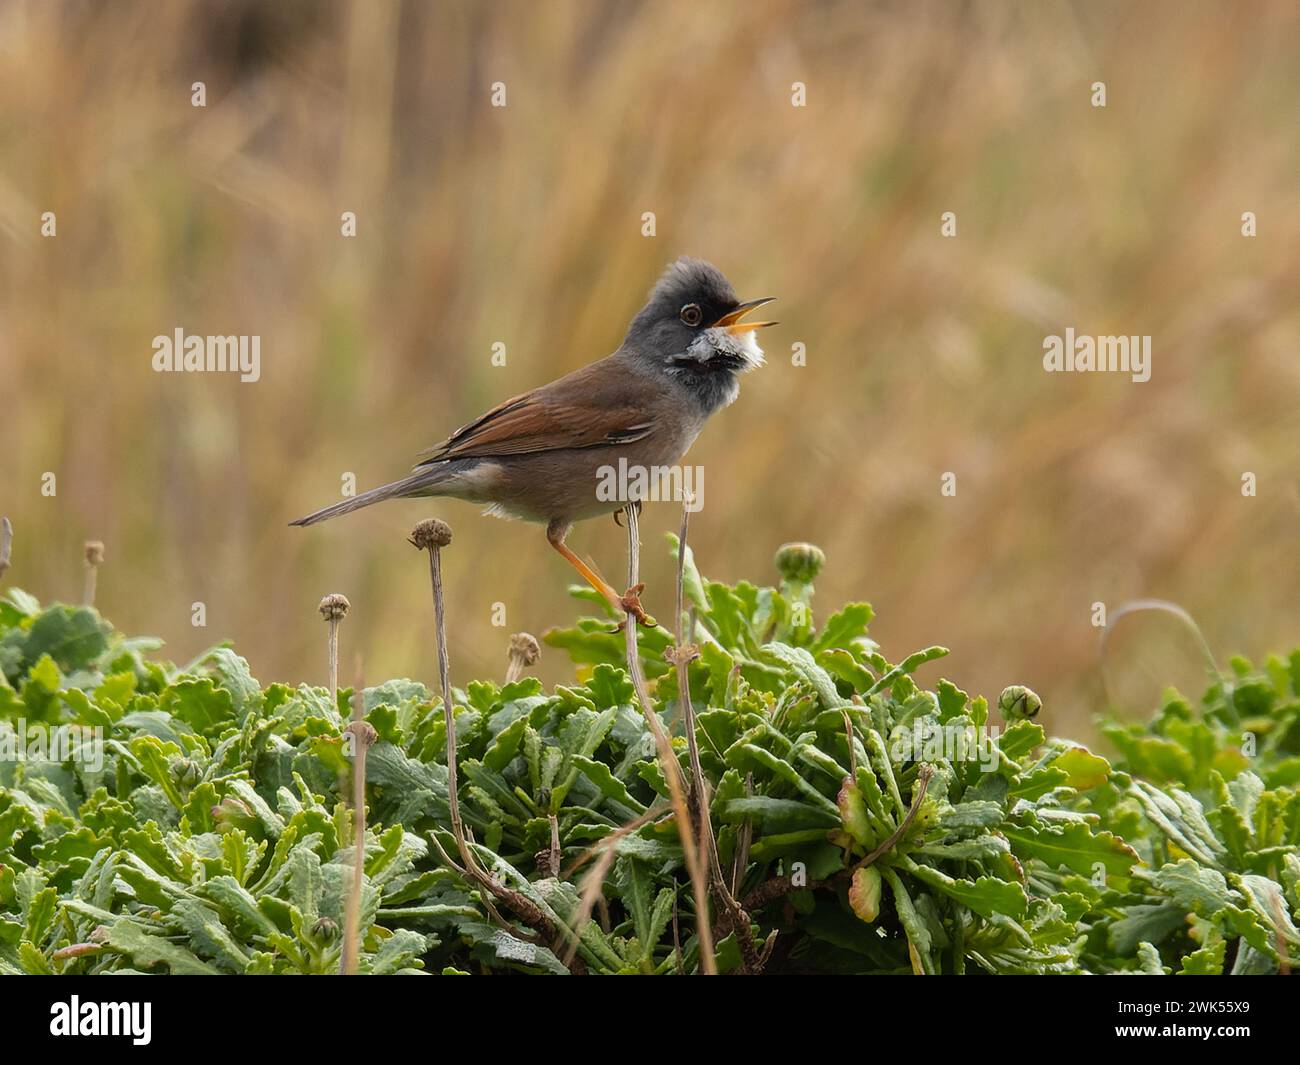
(1019, 703)
(800, 562)
(326, 929)
(187, 772)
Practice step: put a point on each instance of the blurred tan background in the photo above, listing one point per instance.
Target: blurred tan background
(523, 225)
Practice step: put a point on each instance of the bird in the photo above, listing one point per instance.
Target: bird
(539, 456)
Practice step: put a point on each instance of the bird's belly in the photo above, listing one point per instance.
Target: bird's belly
(577, 484)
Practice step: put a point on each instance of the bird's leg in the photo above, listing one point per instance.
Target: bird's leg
(628, 603)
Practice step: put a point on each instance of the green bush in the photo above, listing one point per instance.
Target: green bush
(864, 823)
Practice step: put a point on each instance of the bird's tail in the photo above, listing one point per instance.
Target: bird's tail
(422, 482)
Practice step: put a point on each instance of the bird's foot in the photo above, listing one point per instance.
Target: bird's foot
(636, 503)
(630, 603)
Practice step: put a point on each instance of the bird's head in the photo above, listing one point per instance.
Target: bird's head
(693, 328)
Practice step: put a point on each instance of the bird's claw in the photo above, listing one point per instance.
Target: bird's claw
(630, 603)
(636, 504)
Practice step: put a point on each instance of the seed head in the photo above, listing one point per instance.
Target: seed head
(800, 562)
(432, 532)
(364, 731)
(525, 648)
(334, 607)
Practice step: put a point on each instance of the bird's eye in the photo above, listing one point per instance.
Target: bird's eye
(692, 315)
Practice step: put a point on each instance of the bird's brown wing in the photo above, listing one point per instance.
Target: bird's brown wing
(595, 407)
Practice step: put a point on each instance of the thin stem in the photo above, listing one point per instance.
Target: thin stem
(1136, 606)
(6, 543)
(333, 608)
(333, 654)
(524, 652)
(433, 534)
(682, 656)
(672, 771)
(682, 659)
(94, 556)
(448, 710)
(923, 776)
(352, 927)
(605, 851)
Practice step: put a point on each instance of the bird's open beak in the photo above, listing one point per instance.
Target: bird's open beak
(732, 323)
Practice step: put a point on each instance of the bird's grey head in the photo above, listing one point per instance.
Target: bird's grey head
(691, 329)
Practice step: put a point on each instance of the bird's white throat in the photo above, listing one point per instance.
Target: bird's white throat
(714, 342)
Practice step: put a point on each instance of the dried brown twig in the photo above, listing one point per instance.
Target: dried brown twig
(668, 760)
(334, 608)
(432, 535)
(524, 652)
(6, 543)
(732, 912)
(604, 850)
(94, 559)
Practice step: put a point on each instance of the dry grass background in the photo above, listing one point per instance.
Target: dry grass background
(523, 225)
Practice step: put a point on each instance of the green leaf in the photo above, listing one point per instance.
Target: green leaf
(909, 665)
(1021, 738)
(232, 673)
(610, 686)
(844, 626)
(506, 745)
(208, 935)
(853, 813)
(952, 701)
(147, 950)
(1149, 960)
(398, 952)
(1208, 961)
(986, 896)
(1144, 922)
(40, 915)
(805, 666)
(1084, 770)
(636, 889)
(918, 935)
(749, 754)
(1194, 888)
(606, 783)
(777, 815)
(1073, 846)
(199, 703)
(73, 636)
